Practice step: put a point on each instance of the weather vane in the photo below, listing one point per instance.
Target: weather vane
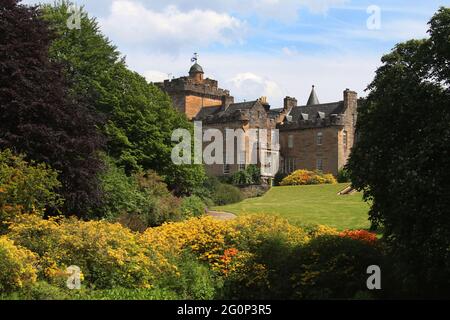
(195, 57)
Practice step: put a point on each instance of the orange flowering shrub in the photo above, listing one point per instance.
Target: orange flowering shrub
(306, 177)
(361, 235)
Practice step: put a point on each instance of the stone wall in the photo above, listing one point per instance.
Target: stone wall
(194, 103)
(306, 151)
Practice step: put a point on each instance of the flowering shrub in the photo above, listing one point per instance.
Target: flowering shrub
(331, 267)
(25, 187)
(305, 177)
(361, 235)
(254, 229)
(109, 255)
(321, 230)
(17, 266)
(206, 237)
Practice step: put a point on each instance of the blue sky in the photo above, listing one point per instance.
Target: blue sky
(259, 48)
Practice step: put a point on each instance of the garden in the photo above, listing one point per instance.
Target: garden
(92, 207)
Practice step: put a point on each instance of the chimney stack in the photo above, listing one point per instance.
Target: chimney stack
(226, 101)
(289, 103)
(350, 99)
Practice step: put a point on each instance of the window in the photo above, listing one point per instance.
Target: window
(319, 165)
(319, 138)
(242, 167)
(289, 165)
(290, 141)
(226, 169)
(345, 139)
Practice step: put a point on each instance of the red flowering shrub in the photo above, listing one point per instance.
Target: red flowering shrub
(361, 235)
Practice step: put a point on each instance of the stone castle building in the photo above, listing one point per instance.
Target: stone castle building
(312, 136)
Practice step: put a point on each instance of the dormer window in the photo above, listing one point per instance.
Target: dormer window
(321, 115)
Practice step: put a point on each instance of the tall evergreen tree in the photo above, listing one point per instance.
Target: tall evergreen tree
(38, 116)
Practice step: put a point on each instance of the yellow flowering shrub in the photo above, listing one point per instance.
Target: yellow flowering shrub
(227, 246)
(17, 266)
(109, 255)
(253, 228)
(322, 230)
(305, 177)
(206, 237)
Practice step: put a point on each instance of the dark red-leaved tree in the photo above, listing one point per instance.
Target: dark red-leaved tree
(38, 117)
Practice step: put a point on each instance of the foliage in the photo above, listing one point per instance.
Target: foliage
(192, 206)
(108, 254)
(194, 281)
(279, 177)
(251, 175)
(361, 235)
(305, 177)
(52, 128)
(331, 267)
(343, 176)
(140, 117)
(405, 172)
(137, 201)
(17, 266)
(226, 194)
(25, 187)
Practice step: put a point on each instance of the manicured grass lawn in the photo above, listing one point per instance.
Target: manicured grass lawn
(304, 205)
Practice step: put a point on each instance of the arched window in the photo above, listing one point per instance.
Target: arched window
(319, 138)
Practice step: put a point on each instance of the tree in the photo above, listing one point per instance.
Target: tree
(404, 167)
(38, 116)
(140, 117)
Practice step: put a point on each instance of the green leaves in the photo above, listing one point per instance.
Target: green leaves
(140, 117)
(402, 157)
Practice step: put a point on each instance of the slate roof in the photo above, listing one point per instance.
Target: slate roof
(313, 116)
(313, 100)
(312, 112)
(217, 114)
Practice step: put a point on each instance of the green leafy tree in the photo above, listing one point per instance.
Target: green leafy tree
(38, 116)
(139, 117)
(404, 167)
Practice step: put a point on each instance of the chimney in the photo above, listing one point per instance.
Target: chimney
(226, 101)
(289, 103)
(350, 100)
(264, 102)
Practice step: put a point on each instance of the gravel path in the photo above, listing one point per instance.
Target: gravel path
(219, 215)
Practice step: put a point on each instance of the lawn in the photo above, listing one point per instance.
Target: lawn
(304, 205)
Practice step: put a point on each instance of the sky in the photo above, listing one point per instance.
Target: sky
(254, 48)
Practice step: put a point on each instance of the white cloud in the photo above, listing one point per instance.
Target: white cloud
(169, 29)
(282, 10)
(252, 75)
(155, 76)
(290, 52)
(250, 85)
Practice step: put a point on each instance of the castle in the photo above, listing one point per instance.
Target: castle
(312, 136)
